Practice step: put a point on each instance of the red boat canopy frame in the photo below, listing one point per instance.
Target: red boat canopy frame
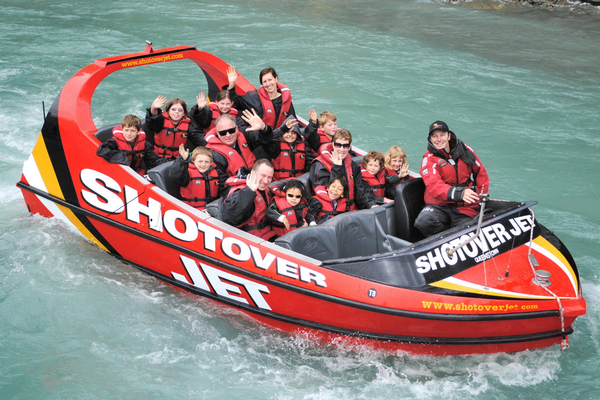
(76, 107)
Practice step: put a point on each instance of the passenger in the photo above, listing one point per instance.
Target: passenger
(272, 101)
(396, 170)
(246, 204)
(329, 202)
(204, 116)
(373, 175)
(168, 129)
(289, 207)
(288, 151)
(197, 177)
(320, 132)
(128, 146)
(232, 147)
(335, 161)
(454, 177)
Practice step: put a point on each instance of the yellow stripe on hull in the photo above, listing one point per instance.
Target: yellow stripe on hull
(44, 171)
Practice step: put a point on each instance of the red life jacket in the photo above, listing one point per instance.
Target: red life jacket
(167, 141)
(376, 183)
(325, 159)
(324, 140)
(291, 160)
(290, 213)
(328, 209)
(269, 117)
(451, 172)
(257, 224)
(202, 189)
(216, 114)
(235, 161)
(135, 152)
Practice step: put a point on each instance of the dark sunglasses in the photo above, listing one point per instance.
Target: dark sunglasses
(226, 131)
(338, 145)
(298, 196)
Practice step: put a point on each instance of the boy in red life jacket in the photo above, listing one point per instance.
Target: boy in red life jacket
(396, 170)
(168, 129)
(373, 175)
(204, 115)
(337, 162)
(197, 177)
(329, 202)
(288, 151)
(454, 178)
(245, 207)
(128, 146)
(289, 208)
(320, 132)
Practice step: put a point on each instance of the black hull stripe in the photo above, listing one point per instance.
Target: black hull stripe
(53, 141)
(287, 286)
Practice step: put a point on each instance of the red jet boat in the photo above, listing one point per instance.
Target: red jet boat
(501, 283)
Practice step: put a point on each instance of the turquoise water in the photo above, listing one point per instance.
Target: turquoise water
(520, 85)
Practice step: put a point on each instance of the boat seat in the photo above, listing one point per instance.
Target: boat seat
(105, 132)
(159, 175)
(318, 242)
(215, 209)
(409, 202)
(356, 233)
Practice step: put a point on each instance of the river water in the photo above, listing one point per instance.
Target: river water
(520, 85)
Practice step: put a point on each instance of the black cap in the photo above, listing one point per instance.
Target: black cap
(438, 126)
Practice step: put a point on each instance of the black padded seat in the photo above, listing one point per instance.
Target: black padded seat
(215, 209)
(355, 233)
(159, 175)
(318, 242)
(105, 132)
(408, 204)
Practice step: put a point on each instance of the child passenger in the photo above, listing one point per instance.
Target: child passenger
(319, 135)
(128, 146)
(326, 204)
(289, 208)
(289, 153)
(373, 174)
(396, 171)
(197, 177)
(170, 128)
(204, 116)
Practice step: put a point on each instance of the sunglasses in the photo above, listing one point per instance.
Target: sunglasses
(226, 131)
(344, 145)
(291, 196)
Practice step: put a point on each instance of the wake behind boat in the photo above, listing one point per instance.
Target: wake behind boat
(504, 283)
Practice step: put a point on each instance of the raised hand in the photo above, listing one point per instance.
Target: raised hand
(183, 152)
(312, 114)
(252, 181)
(256, 124)
(232, 76)
(157, 104)
(290, 123)
(337, 160)
(404, 170)
(201, 99)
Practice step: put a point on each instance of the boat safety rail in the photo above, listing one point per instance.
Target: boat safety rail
(484, 199)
